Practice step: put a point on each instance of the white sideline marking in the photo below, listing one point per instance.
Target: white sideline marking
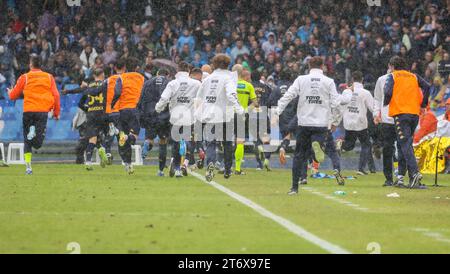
(335, 199)
(296, 229)
(433, 235)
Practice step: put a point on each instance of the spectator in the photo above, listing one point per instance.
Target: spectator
(239, 49)
(110, 56)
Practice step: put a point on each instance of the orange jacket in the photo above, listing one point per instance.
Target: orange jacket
(129, 89)
(39, 91)
(407, 97)
(110, 94)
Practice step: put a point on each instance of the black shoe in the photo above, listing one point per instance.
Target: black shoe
(419, 186)
(388, 184)
(184, 171)
(200, 164)
(339, 179)
(210, 172)
(110, 159)
(303, 182)
(227, 174)
(293, 192)
(239, 173)
(416, 180)
(373, 171)
(400, 185)
(172, 169)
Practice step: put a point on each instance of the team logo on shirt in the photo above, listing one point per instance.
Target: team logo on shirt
(183, 100)
(314, 100)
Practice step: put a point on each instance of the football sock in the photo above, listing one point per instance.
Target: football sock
(239, 155)
(89, 152)
(28, 157)
(162, 157)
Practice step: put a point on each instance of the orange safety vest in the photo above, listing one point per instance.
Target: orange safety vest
(132, 83)
(110, 94)
(39, 92)
(407, 96)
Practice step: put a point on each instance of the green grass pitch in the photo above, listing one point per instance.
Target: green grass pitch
(107, 211)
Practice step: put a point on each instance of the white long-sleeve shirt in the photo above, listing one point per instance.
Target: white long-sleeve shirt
(180, 95)
(355, 113)
(379, 107)
(317, 97)
(217, 98)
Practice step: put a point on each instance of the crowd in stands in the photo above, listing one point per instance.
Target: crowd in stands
(272, 36)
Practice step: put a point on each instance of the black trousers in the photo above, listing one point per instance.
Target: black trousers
(349, 144)
(82, 144)
(129, 123)
(39, 121)
(305, 137)
(225, 140)
(405, 126)
(388, 140)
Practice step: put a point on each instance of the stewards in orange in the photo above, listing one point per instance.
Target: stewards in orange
(406, 94)
(40, 96)
(127, 93)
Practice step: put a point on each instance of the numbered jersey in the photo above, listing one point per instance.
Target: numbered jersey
(94, 98)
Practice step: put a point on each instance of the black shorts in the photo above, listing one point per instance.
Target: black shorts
(289, 128)
(155, 129)
(129, 122)
(39, 121)
(96, 124)
(114, 118)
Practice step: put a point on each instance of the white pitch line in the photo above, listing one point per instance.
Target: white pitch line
(335, 199)
(294, 228)
(437, 236)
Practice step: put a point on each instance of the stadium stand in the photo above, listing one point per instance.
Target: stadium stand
(269, 36)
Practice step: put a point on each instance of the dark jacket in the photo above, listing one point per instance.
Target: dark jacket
(151, 93)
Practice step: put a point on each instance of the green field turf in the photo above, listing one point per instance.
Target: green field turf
(107, 211)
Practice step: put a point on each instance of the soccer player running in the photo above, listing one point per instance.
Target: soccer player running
(388, 135)
(196, 74)
(317, 97)
(94, 103)
(126, 94)
(246, 95)
(406, 94)
(356, 122)
(287, 120)
(155, 124)
(180, 95)
(40, 95)
(263, 93)
(113, 113)
(216, 104)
